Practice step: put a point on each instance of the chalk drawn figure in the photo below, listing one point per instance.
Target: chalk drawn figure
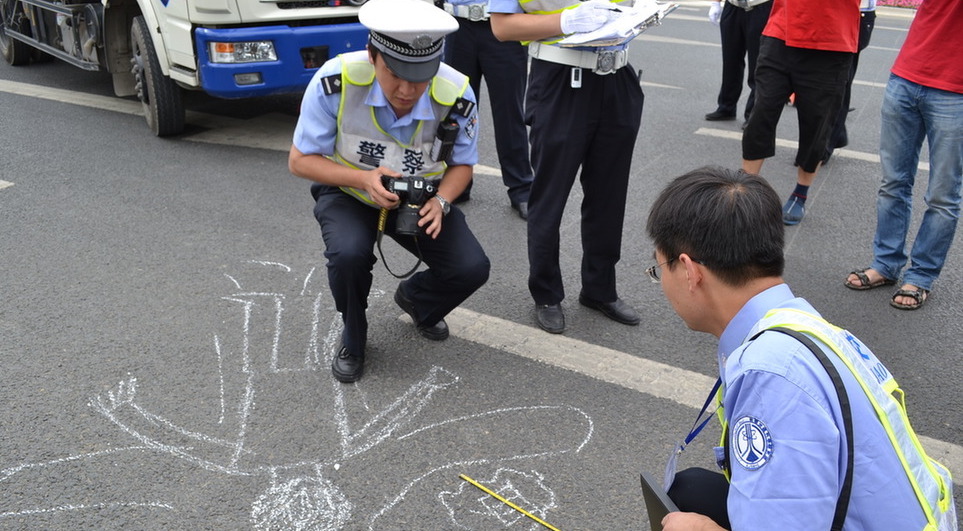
(288, 335)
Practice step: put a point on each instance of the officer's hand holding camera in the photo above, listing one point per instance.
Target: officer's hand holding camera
(416, 209)
(376, 189)
(431, 216)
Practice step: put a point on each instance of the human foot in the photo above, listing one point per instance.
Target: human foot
(909, 297)
(863, 279)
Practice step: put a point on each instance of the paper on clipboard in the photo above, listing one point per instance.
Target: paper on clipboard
(630, 23)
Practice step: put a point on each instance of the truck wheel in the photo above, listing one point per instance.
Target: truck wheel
(161, 97)
(14, 52)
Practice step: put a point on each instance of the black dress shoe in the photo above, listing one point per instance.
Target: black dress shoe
(616, 310)
(522, 208)
(550, 318)
(434, 332)
(347, 367)
(718, 116)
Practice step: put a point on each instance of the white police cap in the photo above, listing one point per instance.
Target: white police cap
(410, 34)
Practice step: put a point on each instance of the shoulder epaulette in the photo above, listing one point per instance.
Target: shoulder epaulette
(462, 107)
(331, 84)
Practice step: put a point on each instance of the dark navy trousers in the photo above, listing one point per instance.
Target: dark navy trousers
(592, 128)
(457, 264)
(474, 51)
(740, 31)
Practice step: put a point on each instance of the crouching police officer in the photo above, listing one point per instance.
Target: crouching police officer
(815, 431)
(377, 122)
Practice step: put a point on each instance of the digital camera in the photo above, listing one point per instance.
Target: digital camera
(414, 192)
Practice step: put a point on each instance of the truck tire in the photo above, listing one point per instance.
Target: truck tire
(159, 94)
(15, 53)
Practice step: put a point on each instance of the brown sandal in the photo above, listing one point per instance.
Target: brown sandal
(864, 282)
(919, 295)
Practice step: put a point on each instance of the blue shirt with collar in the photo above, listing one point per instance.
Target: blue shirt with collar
(788, 474)
(317, 126)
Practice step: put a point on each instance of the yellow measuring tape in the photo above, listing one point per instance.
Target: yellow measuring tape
(506, 502)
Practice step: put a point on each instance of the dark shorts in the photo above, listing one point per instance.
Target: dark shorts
(817, 77)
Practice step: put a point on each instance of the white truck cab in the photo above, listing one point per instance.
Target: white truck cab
(156, 48)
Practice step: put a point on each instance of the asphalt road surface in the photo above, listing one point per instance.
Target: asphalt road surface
(166, 328)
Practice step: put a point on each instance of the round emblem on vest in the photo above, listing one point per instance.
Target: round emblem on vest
(421, 42)
(751, 443)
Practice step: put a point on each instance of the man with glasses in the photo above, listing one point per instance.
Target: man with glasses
(813, 436)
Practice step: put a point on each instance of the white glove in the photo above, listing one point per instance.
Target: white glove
(715, 12)
(588, 16)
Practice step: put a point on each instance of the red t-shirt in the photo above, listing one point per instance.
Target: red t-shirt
(831, 25)
(933, 52)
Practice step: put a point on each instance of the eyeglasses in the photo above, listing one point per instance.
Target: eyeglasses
(653, 271)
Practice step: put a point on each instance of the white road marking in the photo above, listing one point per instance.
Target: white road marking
(632, 372)
(792, 144)
(5, 184)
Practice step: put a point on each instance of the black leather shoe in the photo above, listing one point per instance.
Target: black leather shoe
(435, 332)
(347, 367)
(745, 123)
(719, 116)
(550, 318)
(522, 208)
(616, 310)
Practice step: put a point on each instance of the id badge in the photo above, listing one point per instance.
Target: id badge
(670, 466)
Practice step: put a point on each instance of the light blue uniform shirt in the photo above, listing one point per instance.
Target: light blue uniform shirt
(790, 477)
(512, 6)
(504, 6)
(318, 123)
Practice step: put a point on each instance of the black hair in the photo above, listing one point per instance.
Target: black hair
(730, 221)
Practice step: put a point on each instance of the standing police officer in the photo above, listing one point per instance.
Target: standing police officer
(740, 26)
(584, 107)
(474, 51)
(370, 114)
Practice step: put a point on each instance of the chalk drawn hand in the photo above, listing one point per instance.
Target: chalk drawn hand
(468, 510)
(122, 396)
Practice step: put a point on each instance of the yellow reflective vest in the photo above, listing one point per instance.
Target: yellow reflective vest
(931, 481)
(361, 143)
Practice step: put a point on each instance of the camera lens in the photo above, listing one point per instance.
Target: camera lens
(407, 222)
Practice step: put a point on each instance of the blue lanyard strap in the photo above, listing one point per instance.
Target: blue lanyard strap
(697, 425)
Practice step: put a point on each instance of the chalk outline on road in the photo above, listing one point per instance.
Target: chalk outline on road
(299, 495)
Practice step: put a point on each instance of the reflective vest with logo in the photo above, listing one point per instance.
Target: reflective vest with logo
(545, 7)
(931, 481)
(362, 143)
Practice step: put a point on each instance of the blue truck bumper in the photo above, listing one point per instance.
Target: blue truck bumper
(300, 51)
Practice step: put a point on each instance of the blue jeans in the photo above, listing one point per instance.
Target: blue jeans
(910, 113)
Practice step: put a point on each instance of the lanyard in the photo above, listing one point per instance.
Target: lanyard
(697, 426)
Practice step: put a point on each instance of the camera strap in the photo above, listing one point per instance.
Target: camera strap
(382, 220)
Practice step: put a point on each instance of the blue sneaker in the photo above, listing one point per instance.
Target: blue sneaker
(793, 211)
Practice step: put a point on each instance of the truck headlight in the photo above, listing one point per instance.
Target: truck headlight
(242, 52)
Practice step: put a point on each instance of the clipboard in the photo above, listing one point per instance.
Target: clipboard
(657, 502)
(632, 22)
